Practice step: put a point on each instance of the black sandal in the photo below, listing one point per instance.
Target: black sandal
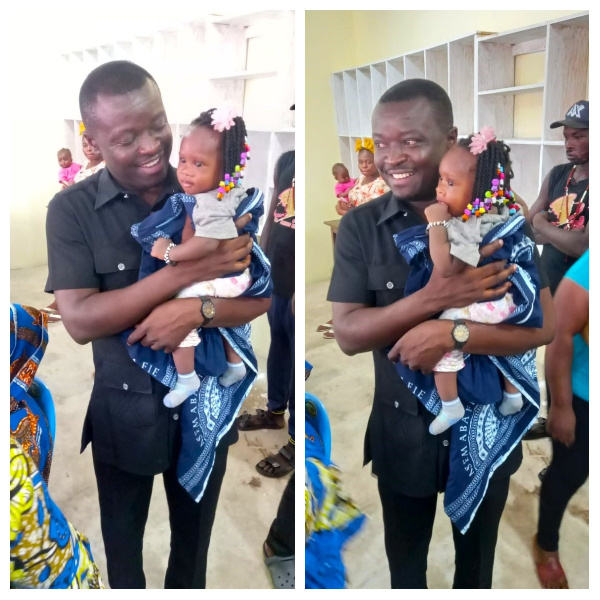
(281, 463)
(262, 419)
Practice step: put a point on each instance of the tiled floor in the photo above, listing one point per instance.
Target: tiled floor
(345, 385)
(248, 501)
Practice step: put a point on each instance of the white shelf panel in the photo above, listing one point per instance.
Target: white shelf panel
(414, 65)
(517, 36)
(352, 107)
(244, 75)
(513, 91)
(394, 71)
(523, 141)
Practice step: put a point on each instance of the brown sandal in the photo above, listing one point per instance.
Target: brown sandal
(325, 326)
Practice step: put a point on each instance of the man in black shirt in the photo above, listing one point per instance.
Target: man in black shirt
(560, 214)
(93, 265)
(412, 129)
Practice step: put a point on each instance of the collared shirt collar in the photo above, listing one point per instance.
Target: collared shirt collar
(109, 188)
(392, 208)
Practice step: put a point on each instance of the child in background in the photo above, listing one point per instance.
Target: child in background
(473, 197)
(344, 181)
(68, 168)
(212, 159)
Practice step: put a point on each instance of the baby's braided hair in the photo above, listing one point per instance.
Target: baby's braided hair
(234, 140)
(496, 152)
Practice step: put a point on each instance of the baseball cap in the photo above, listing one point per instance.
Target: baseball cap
(578, 116)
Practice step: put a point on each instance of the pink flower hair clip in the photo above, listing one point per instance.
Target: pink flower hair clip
(223, 118)
(480, 140)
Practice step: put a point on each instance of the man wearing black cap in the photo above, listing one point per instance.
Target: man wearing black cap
(560, 215)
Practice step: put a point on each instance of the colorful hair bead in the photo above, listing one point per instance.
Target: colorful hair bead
(467, 212)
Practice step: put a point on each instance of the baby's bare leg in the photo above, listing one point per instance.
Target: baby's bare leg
(452, 408)
(236, 370)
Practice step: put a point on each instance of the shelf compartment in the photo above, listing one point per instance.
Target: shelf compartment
(242, 75)
(414, 65)
(394, 71)
(569, 76)
(525, 165)
(378, 82)
(436, 65)
(352, 108)
(461, 82)
(365, 100)
(339, 100)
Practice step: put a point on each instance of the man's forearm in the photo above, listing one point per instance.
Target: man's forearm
(367, 328)
(572, 243)
(233, 312)
(100, 314)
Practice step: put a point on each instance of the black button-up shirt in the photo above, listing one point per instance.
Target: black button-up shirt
(90, 245)
(369, 270)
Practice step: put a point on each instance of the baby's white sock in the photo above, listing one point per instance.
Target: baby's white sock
(452, 412)
(186, 385)
(235, 372)
(511, 404)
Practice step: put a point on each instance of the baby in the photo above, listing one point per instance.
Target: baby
(473, 188)
(68, 168)
(212, 158)
(344, 182)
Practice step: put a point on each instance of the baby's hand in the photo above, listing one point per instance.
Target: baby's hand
(437, 212)
(160, 247)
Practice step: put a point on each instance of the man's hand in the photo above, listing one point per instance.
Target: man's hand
(231, 256)
(561, 424)
(472, 284)
(421, 348)
(160, 247)
(168, 324)
(437, 212)
(542, 220)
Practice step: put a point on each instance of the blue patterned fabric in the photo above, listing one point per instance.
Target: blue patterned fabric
(483, 438)
(209, 414)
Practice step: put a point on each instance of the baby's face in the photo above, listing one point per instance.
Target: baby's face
(65, 160)
(200, 167)
(457, 177)
(342, 175)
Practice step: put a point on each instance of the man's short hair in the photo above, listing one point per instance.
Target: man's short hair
(411, 89)
(114, 78)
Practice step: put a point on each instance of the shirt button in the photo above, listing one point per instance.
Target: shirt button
(389, 285)
(120, 266)
(396, 403)
(445, 443)
(175, 417)
(125, 195)
(125, 387)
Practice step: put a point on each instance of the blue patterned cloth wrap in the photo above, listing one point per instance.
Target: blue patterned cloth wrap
(324, 567)
(483, 438)
(209, 414)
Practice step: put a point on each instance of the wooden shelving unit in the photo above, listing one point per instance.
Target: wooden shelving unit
(245, 60)
(482, 75)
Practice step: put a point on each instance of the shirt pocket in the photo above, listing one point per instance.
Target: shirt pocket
(387, 281)
(129, 395)
(117, 267)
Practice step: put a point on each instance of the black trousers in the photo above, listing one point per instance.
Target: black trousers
(280, 361)
(124, 503)
(408, 525)
(567, 472)
(281, 534)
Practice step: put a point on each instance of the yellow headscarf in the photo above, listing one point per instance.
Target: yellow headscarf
(365, 143)
(81, 128)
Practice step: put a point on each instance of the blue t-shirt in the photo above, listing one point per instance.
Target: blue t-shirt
(580, 371)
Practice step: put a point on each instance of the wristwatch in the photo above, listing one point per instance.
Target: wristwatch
(207, 309)
(460, 334)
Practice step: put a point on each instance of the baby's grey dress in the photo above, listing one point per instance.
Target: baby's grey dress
(213, 218)
(465, 236)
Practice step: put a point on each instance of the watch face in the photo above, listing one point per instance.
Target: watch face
(208, 309)
(461, 333)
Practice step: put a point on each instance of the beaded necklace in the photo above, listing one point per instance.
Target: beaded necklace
(576, 208)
